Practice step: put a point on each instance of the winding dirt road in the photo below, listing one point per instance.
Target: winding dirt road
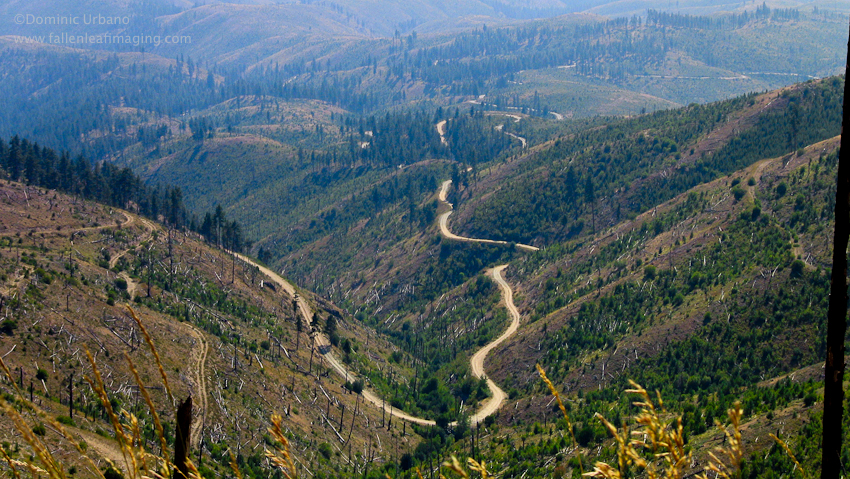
(441, 130)
(477, 361)
(516, 119)
(444, 228)
(322, 343)
(199, 358)
(130, 220)
(521, 139)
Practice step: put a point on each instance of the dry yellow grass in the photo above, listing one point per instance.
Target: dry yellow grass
(661, 453)
(454, 465)
(138, 463)
(563, 411)
(280, 457)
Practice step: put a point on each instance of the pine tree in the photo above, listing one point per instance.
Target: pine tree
(590, 200)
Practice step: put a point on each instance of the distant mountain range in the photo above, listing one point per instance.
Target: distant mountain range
(244, 33)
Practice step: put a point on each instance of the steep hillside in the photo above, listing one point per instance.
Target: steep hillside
(459, 192)
(593, 179)
(541, 197)
(708, 278)
(706, 298)
(716, 296)
(644, 307)
(226, 334)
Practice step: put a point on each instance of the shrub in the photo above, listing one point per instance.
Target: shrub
(325, 450)
(738, 193)
(66, 421)
(8, 326)
(797, 268)
(585, 435)
(406, 462)
(112, 473)
(810, 399)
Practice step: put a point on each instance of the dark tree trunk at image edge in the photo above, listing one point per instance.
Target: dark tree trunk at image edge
(837, 316)
(181, 441)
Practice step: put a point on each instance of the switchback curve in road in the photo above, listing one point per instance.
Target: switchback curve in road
(444, 227)
(149, 227)
(441, 130)
(477, 362)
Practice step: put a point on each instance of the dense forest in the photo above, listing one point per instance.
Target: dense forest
(27, 162)
(623, 163)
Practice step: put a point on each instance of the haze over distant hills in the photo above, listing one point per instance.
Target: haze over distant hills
(246, 32)
(460, 190)
(263, 89)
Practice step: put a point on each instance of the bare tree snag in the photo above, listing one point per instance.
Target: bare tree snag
(182, 437)
(71, 396)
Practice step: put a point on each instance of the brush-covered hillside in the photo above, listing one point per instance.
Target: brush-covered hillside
(75, 274)
(456, 200)
(711, 290)
(305, 142)
(558, 193)
(687, 250)
(716, 296)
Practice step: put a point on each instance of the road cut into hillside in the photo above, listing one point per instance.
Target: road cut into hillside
(444, 227)
(322, 343)
(477, 362)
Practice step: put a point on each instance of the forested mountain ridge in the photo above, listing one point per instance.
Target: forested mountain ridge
(632, 164)
(650, 264)
(108, 184)
(263, 133)
(598, 177)
(567, 65)
(286, 141)
(705, 298)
